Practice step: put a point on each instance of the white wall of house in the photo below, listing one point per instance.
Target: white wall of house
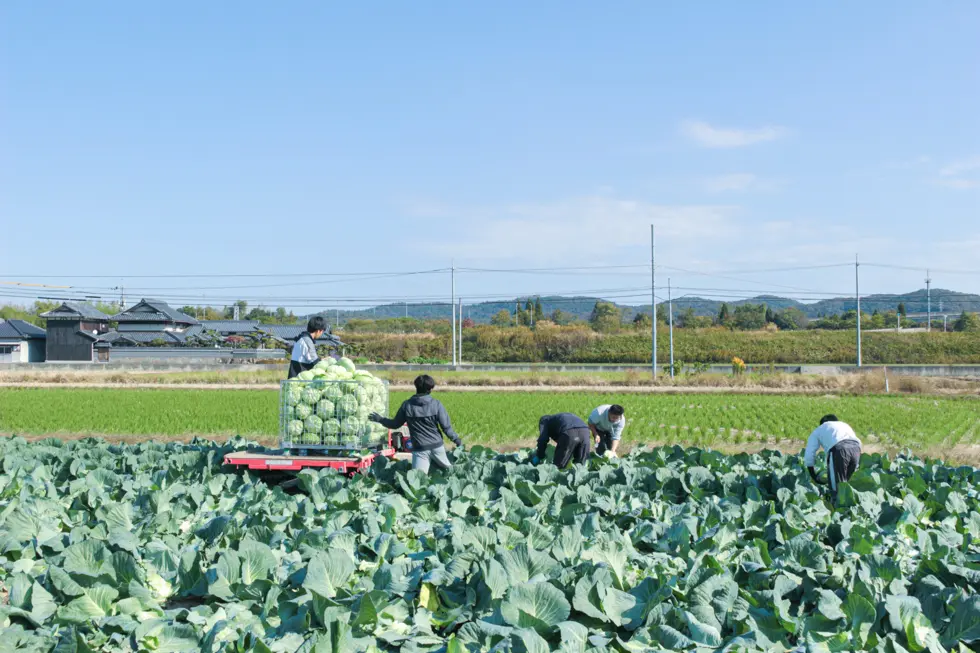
(14, 351)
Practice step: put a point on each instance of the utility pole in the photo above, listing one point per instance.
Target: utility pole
(337, 315)
(928, 302)
(452, 309)
(857, 295)
(460, 330)
(670, 318)
(406, 309)
(653, 302)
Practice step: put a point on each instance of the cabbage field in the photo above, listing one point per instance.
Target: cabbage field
(153, 547)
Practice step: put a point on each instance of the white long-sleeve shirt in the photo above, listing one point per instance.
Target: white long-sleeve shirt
(826, 436)
(600, 420)
(304, 351)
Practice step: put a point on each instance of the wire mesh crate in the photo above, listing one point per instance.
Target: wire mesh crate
(332, 415)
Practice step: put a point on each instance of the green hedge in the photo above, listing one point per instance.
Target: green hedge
(552, 344)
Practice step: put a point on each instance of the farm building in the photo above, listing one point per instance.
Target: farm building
(73, 329)
(21, 342)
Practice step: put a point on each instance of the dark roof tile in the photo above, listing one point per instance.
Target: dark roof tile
(76, 310)
(160, 311)
(21, 330)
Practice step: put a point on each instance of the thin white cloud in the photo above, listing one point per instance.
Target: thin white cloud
(707, 135)
(957, 168)
(959, 184)
(960, 175)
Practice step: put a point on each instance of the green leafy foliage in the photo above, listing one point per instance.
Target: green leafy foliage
(108, 547)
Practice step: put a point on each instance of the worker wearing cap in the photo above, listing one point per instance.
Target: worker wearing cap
(304, 355)
(843, 450)
(571, 437)
(427, 421)
(606, 424)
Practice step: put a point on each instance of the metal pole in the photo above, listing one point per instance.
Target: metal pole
(944, 323)
(653, 302)
(452, 309)
(460, 330)
(670, 317)
(857, 295)
(337, 316)
(928, 302)
(406, 309)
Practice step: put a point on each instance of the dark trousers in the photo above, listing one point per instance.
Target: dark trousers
(605, 442)
(572, 444)
(842, 461)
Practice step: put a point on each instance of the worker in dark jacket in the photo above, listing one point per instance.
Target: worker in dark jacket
(304, 355)
(427, 421)
(571, 435)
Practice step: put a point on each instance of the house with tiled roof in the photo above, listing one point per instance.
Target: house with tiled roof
(72, 330)
(151, 322)
(21, 342)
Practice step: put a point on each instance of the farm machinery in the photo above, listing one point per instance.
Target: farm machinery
(323, 423)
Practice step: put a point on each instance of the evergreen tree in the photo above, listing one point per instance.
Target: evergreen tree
(723, 314)
(538, 310)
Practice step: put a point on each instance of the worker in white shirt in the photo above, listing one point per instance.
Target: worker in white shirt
(304, 355)
(843, 450)
(607, 423)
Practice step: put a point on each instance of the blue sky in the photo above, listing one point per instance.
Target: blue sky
(199, 138)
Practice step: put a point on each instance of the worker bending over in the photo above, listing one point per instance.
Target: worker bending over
(843, 450)
(427, 421)
(606, 424)
(304, 355)
(571, 437)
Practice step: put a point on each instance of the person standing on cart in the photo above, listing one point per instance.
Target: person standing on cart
(304, 355)
(571, 436)
(427, 421)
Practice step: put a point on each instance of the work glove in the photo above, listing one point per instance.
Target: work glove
(375, 417)
(459, 444)
(535, 460)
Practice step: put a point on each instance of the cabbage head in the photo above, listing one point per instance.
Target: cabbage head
(310, 396)
(293, 394)
(347, 364)
(346, 406)
(350, 388)
(361, 394)
(332, 391)
(303, 411)
(306, 375)
(325, 408)
(313, 424)
(294, 429)
(331, 428)
(351, 426)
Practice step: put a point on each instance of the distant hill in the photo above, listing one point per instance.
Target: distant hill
(947, 301)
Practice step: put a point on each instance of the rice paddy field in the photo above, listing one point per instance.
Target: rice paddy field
(920, 423)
